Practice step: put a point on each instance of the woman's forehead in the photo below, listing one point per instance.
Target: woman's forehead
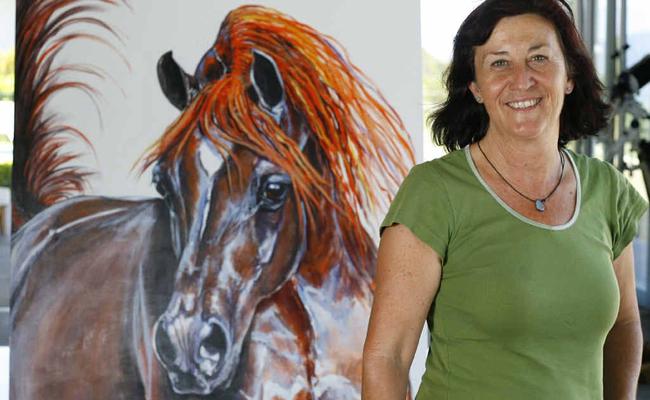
(527, 32)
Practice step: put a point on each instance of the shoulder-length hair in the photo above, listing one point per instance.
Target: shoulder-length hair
(460, 120)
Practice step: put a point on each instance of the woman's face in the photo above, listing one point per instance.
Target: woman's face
(521, 77)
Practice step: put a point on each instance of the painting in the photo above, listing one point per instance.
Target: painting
(246, 271)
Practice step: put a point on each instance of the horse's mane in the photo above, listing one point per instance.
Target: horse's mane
(364, 142)
(42, 174)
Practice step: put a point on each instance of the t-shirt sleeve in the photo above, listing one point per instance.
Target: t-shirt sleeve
(630, 206)
(422, 205)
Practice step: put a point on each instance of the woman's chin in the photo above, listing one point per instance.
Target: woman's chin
(530, 129)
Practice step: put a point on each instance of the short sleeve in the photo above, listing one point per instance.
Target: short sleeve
(630, 206)
(422, 205)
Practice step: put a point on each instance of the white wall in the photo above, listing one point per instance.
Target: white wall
(382, 39)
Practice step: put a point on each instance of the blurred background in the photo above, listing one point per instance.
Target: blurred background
(617, 33)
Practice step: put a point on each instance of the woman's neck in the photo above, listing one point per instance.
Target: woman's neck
(530, 161)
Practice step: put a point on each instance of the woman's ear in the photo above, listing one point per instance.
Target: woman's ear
(473, 87)
(569, 86)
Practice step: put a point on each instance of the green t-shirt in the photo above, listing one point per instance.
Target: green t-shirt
(523, 308)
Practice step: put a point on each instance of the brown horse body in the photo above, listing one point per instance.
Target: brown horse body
(99, 309)
(84, 308)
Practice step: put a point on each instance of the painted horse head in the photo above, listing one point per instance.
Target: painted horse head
(281, 148)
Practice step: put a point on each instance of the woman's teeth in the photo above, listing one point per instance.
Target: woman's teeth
(524, 104)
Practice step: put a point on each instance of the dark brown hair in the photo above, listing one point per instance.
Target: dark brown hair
(461, 121)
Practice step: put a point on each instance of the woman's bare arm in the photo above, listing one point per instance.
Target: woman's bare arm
(408, 276)
(624, 344)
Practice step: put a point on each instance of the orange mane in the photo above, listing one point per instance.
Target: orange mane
(362, 137)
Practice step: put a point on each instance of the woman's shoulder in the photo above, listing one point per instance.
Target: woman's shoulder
(442, 167)
(434, 177)
(594, 169)
(601, 180)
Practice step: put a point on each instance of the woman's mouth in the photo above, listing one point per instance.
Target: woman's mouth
(524, 104)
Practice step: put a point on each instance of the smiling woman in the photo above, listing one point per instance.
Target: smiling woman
(515, 250)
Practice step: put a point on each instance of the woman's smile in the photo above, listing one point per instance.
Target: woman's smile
(524, 105)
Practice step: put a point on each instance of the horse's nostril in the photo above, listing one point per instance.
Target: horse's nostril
(214, 345)
(164, 347)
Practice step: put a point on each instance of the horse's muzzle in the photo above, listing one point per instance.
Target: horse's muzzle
(193, 352)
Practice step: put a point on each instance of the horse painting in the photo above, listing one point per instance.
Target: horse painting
(251, 276)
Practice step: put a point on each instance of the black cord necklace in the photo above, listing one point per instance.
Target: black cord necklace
(539, 203)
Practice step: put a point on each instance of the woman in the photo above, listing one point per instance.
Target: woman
(515, 250)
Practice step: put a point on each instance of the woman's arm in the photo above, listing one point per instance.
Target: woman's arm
(408, 275)
(624, 344)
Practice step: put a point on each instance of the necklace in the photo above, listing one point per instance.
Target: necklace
(539, 203)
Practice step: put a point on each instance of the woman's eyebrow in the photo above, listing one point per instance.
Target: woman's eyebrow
(495, 53)
(505, 52)
(538, 46)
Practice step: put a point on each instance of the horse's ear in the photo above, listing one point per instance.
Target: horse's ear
(178, 86)
(267, 88)
(211, 68)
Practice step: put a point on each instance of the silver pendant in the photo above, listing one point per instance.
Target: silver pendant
(539, 205)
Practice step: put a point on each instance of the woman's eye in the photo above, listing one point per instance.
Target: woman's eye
(499, 63)
(539, 58)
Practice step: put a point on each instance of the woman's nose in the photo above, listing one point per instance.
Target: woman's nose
(522, 77)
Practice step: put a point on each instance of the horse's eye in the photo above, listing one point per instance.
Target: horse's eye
(273, 192)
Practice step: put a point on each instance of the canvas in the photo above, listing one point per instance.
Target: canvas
(247, 270)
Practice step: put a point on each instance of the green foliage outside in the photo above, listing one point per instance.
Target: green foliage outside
(7, 74)
(434, 91)
(5, 175)
(433, 88)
